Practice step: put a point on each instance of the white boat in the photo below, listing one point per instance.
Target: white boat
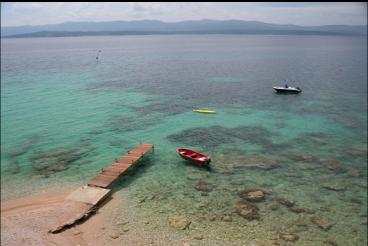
(287, 89)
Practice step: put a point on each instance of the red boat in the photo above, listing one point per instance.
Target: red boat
(194, 156)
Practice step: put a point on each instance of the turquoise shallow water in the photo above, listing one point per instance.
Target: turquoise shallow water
(65, 116)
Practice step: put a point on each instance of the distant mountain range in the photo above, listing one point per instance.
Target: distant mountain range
(145, 27)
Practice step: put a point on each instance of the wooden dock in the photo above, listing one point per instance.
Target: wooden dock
(110, 174)
(85, 200)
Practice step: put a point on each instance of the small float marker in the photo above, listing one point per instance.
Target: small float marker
(98, 55)
(204, 111)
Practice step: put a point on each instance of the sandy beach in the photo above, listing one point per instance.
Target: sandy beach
(26, 221)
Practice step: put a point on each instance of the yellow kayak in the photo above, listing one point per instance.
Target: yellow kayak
(204, 111)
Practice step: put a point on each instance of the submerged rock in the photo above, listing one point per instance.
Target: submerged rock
(330, 242)
(252, 195)
(179, 222)
(57, 160)
(301, 210)
(296, 156)
(211, 217)
(289, 237)
(274, 206)
(25, 146)
(215, 136)
(14, 167)
(233, 163)
(204, 186)
(353, 173)
(199, 237)
(227, 218)
(258, 162)
(285, 201)
(332, 165)
(321, 223)
(338, 186)
(247, 210)
(114, 236)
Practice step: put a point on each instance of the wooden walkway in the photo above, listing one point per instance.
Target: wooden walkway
(85, 200)
(110, 174)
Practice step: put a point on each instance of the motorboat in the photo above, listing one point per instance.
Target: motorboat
(286, 89)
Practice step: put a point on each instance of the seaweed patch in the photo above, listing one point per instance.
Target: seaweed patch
(215, 136)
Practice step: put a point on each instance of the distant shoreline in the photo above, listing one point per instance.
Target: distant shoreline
(55, 34)
(149, 27)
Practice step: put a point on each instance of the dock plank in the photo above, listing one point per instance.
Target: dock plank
(113, 172)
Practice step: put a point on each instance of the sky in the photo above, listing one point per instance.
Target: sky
(298, 13)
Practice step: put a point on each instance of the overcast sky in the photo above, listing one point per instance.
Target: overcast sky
(16, 14)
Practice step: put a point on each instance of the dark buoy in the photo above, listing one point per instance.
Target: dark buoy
(98, 55)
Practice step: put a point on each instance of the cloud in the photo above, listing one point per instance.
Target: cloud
(299, 13)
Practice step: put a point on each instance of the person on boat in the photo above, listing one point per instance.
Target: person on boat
(286, 86)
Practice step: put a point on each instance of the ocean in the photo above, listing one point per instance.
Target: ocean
(65, 115)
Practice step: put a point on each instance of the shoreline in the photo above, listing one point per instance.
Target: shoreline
(26, 221)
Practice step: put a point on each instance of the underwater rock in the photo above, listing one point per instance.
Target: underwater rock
(289, 237)
(285, 201)
(300, 226)
(25, 146)
(353, 173)
(192, 175)
(159, 196)
(179, 222)
(203, 136)
(57, 160)
(215, 136)
(41, 175)
(170, 108)
(356, 200)
(204, 186)
(274, 206)
(364, 221)
(252, 195)
(332, 165)
(237, 182)
(299, 210)
(355, 151)
(14, 167)
(50, 164)
(227, 218)
(296, 156)
(259, 162)
(321, 223)
(114, 236)
(142, 200)
(330, 242)
(232, 163)
(211, 217)
(337, 186)
(120, 123)
(57, 167)
(199, 237)
(247, 210)
(293, 175)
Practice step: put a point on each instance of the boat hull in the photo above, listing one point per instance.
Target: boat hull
(194, 156)
(287, 90)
